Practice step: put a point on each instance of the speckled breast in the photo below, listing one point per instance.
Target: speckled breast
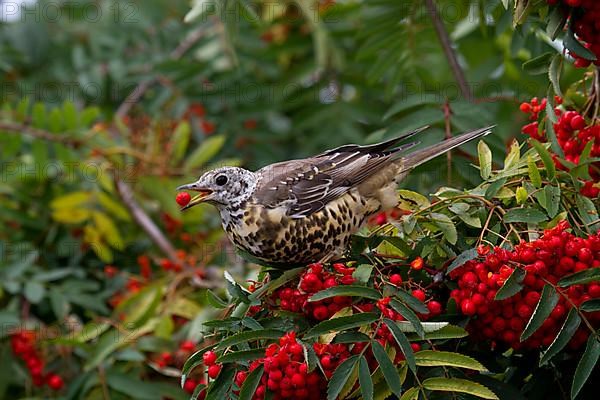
(272, 236)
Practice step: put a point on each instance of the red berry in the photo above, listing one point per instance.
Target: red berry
(396, 279)
(213, 371)
(183, 198)
(419, 294)
(189, 386)
(187, 346)
(435, 308)
(320, 313)
(55, 382)
(578, 122)
(209, 358)
(468, 307)
(417, 263)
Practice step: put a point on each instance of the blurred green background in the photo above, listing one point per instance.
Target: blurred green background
(107, 106)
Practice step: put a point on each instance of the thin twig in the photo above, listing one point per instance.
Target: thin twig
(20, 128)
(138, 92)
(143, 220)
(442, 34)
(448, 134)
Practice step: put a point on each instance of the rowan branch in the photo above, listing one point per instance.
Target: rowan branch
(446, 44)
(19, 128)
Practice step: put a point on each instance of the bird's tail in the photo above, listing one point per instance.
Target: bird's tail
(416, 158)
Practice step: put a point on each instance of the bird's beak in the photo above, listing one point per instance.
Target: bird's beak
(202, 195)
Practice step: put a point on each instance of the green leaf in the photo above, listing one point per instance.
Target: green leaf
(585, 276)
(207, 150)
(459, 385)
(404, 344)
(512, 286)
(411, 101)
(411, 394)
(534, 173)
(341, 323)
(564, 335)
(34, 291)
(538, 65)
(364, 379)
(485, 159)
(546, 159)
(446, 225)
(251, 383)
(461, 259)
(588, 212)
(412, 301)
(493, 189)
(554, 72)
(573, 45)
(413, 197)
(586, 365)
(409, 315)
(219, 388)
(552, 204)
(513, 156)
(556, 23)
(447, 332)
(346, 290)
(215, 300)
(363, 273)
(243, 355)
(390, 373)
(340, 377)
(529, 215)
(436, 358)
(590, 305)
(248, 336)
(548, 300)
(181, 138)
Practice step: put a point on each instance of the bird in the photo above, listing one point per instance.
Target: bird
(301, 211)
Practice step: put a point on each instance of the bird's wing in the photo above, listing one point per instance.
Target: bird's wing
(306, 186)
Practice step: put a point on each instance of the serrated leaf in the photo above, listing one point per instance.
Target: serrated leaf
(341, 323)
(534, 173)
(588, 212)
(512, 286)
(446, 225)
(485, 159)
(435, 358)
(546, 159)
(390, 373)
(586, 364)
(529, 215)
(565, 334)
(403, 343)
(411, 394)
(207, 150)
(346, 290)
(409, 315)
(251, 383)
(242, 355)
(459, 385)
(418, 199)
(447, 332)
(215, 300)
(362, 273)
(539, 64)
(340, 377)
(556, 22)
(548, 300)
(554, 72)
(461, 259)
(574, 46)
(590, 305)
(585, 276)
(412, 301)
(364, 379)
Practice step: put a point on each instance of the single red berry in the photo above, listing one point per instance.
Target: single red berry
(417, 263)
(435, 308)
(419, 294)
(213, 371)
(54, 382)
(209, 358)
(396, 279)
(183, 198)
(187, 346)
(577, 122)
(468, 307)
(189, 386)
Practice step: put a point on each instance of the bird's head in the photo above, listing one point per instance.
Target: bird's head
(225, 187)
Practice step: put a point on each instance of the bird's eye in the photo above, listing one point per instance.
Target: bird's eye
(221, 180)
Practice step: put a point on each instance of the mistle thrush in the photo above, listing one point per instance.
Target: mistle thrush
(301, 211)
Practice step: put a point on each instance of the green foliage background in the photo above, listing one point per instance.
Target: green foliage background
(355, 71)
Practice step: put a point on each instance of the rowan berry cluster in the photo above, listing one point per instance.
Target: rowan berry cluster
(313, 280)
(23, 344)
(556, 254)
(286, 373)
(573, 134)
(585, 15)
